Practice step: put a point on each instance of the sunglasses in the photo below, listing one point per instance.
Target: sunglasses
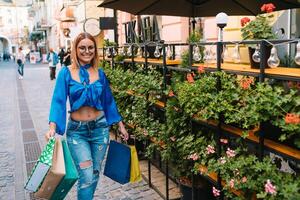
(83, 49)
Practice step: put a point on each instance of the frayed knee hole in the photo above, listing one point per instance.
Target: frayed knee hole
(85, 164)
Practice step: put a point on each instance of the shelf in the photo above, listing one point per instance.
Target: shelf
(284, 73)
(106, 59)
(244, 69)
(269, 144)
(214, 178)
(153, 61)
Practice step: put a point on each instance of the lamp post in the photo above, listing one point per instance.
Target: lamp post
(221, 19)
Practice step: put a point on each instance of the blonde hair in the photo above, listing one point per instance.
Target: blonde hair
(74, 56)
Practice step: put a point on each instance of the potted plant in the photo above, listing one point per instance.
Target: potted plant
(258, 29)
(252, 178)
(194, 37)
(288, 121)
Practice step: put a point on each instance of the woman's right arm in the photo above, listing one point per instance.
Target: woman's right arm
(58, 110)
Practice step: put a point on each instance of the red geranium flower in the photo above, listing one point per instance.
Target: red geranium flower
(245, 83)
(190, 78)
(268, 7)
(244, 21)
(201, 69)
(171, 93)
(292, 118)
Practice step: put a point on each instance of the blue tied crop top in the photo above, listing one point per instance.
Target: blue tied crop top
(97, 95)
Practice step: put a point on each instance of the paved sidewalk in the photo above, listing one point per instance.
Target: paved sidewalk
(26, 103)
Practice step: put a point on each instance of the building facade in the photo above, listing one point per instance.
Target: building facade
(14, 26)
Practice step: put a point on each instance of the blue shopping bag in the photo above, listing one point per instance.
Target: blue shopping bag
(117, 165)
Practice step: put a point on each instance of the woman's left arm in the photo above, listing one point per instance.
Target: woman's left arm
(110, 107)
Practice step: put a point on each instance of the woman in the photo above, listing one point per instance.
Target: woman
(20, 61)
(93, 110)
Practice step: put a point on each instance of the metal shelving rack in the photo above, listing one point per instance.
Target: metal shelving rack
(219, 127)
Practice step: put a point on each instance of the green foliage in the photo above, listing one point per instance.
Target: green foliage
(194, 37)
(108, 43)
(249, 175)
(290, 103)
(174, 139)
(259, 28)
(185, 59)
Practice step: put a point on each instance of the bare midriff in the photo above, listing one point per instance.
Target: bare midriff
(85, 113)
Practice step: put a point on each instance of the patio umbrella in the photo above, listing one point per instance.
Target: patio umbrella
(195, 8)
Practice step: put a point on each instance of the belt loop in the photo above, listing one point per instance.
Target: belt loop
(79, 123)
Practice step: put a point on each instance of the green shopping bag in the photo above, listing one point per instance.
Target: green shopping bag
(69, 179)
(41, 167)
(55, 174)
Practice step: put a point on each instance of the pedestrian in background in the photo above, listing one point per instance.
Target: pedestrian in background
(52, 58)
(20, 57)
(61, 55)
(92, 111)
(67, 58)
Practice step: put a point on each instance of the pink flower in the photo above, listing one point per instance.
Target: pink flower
(244, 179)
(194, 157)
(230, 153)
(223, 160)
(244, 21)
(210, 149)
(145, 133)
(173, 138)
(231, 183)
(216, 192)
(269, 188)
(224, 141)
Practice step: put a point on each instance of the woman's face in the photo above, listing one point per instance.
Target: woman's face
(85, 51)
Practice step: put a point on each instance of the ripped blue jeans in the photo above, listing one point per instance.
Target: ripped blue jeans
(88, 142)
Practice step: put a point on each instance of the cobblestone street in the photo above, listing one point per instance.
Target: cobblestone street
(24, 108)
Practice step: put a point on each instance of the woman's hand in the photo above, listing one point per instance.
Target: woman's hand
(123, 131)
(51, 131)
(49, 134)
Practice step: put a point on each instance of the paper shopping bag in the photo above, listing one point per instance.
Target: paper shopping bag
(55, 173)
(135, 172)
(117, 166)
(41, 167)
(69, 179)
